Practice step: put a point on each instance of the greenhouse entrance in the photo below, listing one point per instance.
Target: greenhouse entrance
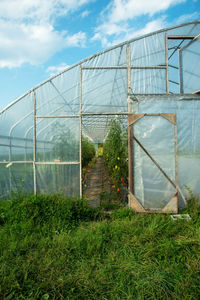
(153, 162)
(98, 182)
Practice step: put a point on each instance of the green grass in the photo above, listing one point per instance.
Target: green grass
(57, 248)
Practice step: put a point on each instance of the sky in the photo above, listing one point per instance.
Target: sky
(39, 38)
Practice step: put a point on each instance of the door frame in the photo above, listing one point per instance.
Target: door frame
(172, 205)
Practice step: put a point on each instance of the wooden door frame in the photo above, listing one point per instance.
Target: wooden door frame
(172, 205)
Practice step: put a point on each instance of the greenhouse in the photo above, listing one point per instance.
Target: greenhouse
(151, 83)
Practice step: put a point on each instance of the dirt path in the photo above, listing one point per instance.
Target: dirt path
(97, 182)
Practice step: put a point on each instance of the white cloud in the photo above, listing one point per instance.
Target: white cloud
(20, 43)
(188, 17)
(76, 40)
(149, 27)
(130, 33)
(121, 10)
(27, 32)
(37, 10)
(85, 13)
(52, 70)
(116, 18)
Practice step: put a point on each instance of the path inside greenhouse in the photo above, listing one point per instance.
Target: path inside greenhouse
(97, 182)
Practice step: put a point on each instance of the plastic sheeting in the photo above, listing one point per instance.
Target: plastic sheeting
(156, 135)
(190, 66)
(57, 178)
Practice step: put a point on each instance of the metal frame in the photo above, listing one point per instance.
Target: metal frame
(102, 52)
(172, 205)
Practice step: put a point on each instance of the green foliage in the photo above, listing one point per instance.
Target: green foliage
(66, 146)
(115, 153)
(88, 151)
(58, 248)
(193, 203)
(52, 211)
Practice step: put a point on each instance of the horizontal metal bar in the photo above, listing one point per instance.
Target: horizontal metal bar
(103, 67)
(57, 163)
(17, 162)
(122, 67)
(106, 114)
(41, 162)
(58, 116)
(134, 96)
(17, 146)
(181, 37)
(15, 138)
(148, 67)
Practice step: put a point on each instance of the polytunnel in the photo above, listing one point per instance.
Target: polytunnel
(151, 82)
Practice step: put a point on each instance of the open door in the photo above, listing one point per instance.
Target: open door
(153, 179)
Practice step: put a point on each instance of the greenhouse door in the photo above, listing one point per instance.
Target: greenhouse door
(153, 162)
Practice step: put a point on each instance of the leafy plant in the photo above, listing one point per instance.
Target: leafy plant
(115, 154)
(66, 147)
(88, 151)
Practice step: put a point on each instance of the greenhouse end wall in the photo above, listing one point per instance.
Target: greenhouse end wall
(40, 132)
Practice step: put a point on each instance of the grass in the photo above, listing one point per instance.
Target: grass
(57, 248)
(110, 201)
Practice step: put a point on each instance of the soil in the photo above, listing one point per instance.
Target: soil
(97, 182)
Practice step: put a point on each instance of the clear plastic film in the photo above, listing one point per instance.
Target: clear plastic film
(156, 136)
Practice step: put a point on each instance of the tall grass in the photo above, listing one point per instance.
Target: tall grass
(57, 248)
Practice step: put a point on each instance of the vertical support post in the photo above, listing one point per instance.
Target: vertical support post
(175, 149)
(166, 64)
(130, 130)
(34, 144)
(80, 133)
(130, 158)
(128, 62)
(180, 71)
(10, 159)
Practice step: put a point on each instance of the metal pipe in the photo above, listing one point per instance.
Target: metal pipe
(122, 67)
(57, 117)
(181, 37)
(41, 162)
(57, 163)
(80, 132)
(128, 62)
(34, 145)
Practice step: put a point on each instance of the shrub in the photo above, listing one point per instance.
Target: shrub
(88, 151)
(50, 211)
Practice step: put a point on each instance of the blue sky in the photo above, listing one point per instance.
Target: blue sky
(38, 38)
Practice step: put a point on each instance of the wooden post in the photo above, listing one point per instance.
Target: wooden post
(166, 63)
(130, 158)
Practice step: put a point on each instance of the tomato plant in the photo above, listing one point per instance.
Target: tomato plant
(115, 153)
